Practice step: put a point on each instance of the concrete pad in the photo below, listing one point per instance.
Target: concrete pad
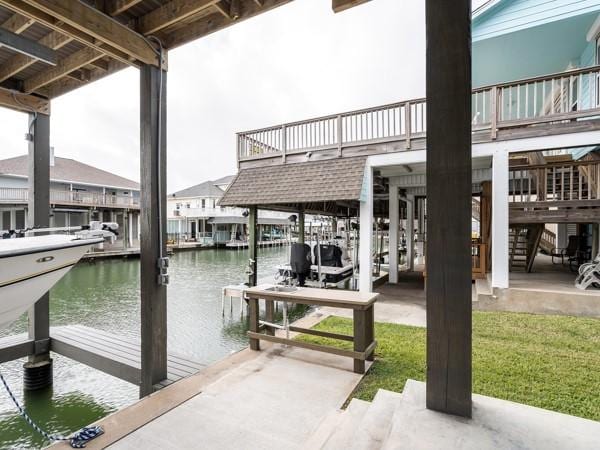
(496, 425)
(274, 401)
(342, 436)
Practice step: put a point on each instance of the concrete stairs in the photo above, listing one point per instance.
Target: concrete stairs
(361, 426)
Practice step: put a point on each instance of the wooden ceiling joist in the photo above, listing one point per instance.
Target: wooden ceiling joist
(116, 7)
(88, 26)
(342, 5)
(27, 47)
(23, 102)
(17, 23)
(171, 13)
(17, 63)
(65, 66)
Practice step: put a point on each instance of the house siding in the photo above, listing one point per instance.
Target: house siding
(510, 16)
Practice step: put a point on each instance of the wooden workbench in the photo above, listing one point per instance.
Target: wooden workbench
(361, 304)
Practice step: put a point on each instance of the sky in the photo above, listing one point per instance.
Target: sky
(295, 62)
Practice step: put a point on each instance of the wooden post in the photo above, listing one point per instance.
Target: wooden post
(394, 214)
(253, 315)
(252, 246)
(301, 227)
(360, 337)
(485, 221)
(448, 86)
(39, 216)
(153, 220)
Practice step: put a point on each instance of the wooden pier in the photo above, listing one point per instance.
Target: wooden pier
(238, 245)
(115, 355)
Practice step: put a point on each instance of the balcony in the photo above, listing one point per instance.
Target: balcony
(72, 198)
(524, 108)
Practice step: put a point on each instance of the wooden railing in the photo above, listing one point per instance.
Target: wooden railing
(548, 240)
(555, 182)
(478, 260)
(559, 97)
(21, 195)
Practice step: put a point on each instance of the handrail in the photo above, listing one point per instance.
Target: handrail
(71, 197)
(560, 97)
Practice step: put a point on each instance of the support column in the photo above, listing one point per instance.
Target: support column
(500, 269)
(153, 218)
(252, 246)
(449, 309)
(410, 233)
(38, 369)
(394, 207)
(595, 240)
(366, 233)
(301, 227)
(485, 220)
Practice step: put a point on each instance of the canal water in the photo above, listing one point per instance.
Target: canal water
(105, 295)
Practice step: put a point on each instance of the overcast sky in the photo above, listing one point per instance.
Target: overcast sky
(295, 62)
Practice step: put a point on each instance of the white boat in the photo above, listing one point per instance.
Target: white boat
(30, 266)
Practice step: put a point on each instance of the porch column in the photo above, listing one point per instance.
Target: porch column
(500, 220)
(38, 215)
(252, 246)
(485, 220)
(153, 203)
(301, 227)
(448, 87)
(595, 240)
(410, 233)
(394, 225)
(366, 233)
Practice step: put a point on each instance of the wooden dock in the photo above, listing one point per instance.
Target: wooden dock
(116, 355)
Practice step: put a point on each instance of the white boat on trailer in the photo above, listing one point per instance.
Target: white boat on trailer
(30, 266)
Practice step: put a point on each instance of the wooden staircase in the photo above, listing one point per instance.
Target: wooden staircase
(524, 242)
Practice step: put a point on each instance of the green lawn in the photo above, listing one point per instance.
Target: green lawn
(551, 362)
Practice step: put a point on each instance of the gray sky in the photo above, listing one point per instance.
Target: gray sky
(295, 62)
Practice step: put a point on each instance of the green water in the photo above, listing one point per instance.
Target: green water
(105, 295)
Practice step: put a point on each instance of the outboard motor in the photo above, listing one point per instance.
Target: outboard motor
(300, 261)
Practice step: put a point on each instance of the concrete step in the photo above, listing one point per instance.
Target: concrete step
(342, 434)
(375, 426)
(395, 438)
(324, 431)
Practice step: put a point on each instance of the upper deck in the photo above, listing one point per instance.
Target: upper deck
(565, 102)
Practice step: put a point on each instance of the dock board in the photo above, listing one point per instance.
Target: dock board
(116, 355)
(15, 347)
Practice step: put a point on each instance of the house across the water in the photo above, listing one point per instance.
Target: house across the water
(195, 216)
(79, 193)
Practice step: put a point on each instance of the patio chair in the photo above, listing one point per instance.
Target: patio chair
(569, 252)
(589, 275)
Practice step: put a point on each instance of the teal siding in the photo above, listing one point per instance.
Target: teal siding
(513, 15)
(588, 58)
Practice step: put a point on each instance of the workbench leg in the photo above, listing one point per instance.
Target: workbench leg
(360, 338)
(370, 330)
(270, 316)
(253, 314)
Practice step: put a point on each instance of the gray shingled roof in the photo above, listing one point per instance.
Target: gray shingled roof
(206, 189)
(69, 170)
(224, 180)
(316, 181)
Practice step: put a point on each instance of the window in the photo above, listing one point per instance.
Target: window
(203, 203)
(187, 205)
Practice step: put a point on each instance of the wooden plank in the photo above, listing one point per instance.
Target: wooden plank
(77, 34)
(555, 216)
(27, 47)
(94, 23)
(593, 203)
(15, 347)
(326, 334)
(170, 13)
(343, 5)
(116, 7)
(17, 63)
(67, 65)
(153, 219)
(17, 23)
(23, 102)
(254, 325)
(448, 86)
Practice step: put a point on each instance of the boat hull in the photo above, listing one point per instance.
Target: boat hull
(26, 274)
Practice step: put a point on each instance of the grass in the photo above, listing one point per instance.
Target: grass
(551, 362)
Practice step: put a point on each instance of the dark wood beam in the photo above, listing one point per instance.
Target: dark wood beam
(17, 63)
(252, 246)
(153, 220)
(170, 13)
(449, 304)
(27, 47)
(342, 5)
(23, 102)
(88, 26)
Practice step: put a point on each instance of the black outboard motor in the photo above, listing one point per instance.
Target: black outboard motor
(300, 261)
(331, 255)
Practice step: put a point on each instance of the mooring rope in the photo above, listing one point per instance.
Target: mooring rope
(78, 440)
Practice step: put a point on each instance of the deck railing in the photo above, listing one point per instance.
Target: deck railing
(559, 97)
(555, 182)
(21, 195)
